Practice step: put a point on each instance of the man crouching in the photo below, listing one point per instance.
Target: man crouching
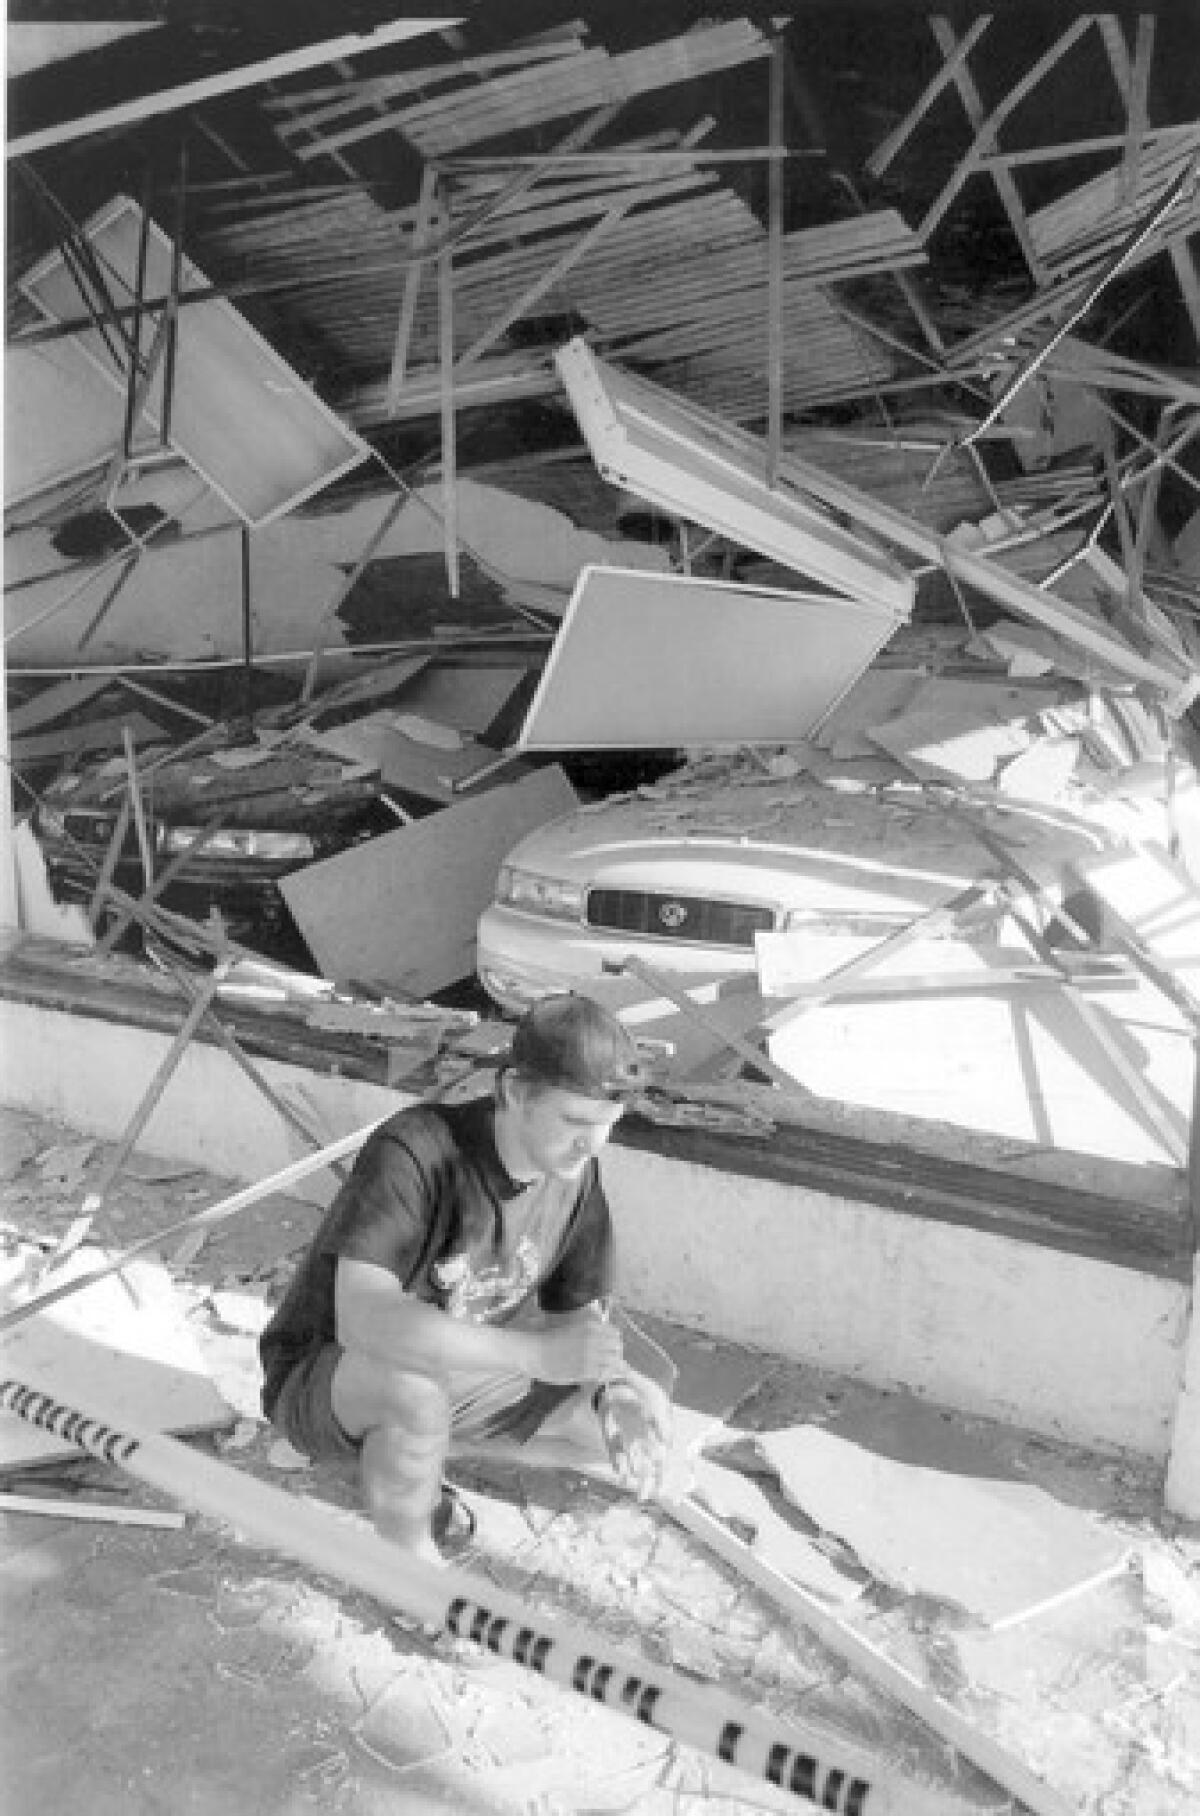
(453, 1299)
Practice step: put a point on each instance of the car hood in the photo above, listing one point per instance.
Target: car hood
(827, 851)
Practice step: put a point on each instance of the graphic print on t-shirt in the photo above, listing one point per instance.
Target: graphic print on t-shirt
(484, 1285)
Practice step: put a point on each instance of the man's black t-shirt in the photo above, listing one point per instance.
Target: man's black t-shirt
(430, 1200)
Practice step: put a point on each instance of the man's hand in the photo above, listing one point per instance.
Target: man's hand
(635, 1419)
(577, 1346)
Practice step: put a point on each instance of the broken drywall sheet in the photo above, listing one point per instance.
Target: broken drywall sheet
(402, 910)
(121, 1345)
(655, 661)
(61, 418)
(742, 1505)
(37, 909)
(412, 765)
(935, 1512)
(942, 745)
(877, 696)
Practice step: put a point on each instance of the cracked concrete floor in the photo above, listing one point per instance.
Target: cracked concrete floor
(146, 1671)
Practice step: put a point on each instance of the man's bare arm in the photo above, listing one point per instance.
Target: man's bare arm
(374, 1314)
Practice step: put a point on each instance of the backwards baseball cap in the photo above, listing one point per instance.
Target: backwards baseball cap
(571, 1042)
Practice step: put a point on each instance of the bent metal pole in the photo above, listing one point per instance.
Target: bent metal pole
(812, 1762)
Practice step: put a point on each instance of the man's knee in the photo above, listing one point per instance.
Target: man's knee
(368, 1395)
(414, 1402)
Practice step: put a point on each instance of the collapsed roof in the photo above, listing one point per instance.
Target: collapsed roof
(948, 269)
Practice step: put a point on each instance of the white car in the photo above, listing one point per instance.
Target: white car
(686, 878)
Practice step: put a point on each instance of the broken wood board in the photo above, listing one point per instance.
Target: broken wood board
(656, 661)
(123, 1340)
(403, 909)
(51, 703)
(467, 698)
(93, 735)
(238, 413)
(935, 1512)
(740, 1504)
(409, 764)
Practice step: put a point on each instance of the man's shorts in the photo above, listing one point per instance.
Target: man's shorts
(304, 1413)
(485, 1407)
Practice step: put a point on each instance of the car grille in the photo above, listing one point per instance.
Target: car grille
(692, 918)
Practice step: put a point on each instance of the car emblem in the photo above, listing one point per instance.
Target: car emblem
(673, 914)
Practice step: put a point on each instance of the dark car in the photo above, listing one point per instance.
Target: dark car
(259, 811)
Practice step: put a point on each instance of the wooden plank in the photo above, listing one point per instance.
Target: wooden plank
(413, 273)
(231, 81)
(1124, 254)
(1069, 148)
(83, 1276)
(109, 1513)
(1184, 263)
(450, 1600)
(192, 849)
(1005, 186)
(923, 926)
(955, 57)
(985, 133)
(725, 1037)
(570, 256)
(140, 823)
(775, 269)
(1136, 104)
(868, 1660)
(402, 909)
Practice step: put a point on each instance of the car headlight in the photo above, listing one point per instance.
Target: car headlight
(536, 894)
(279, 847)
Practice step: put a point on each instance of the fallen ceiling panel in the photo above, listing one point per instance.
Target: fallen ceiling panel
(402, 910)
(239, 414)
(654, 661)
(695, 466)
(61, 418)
